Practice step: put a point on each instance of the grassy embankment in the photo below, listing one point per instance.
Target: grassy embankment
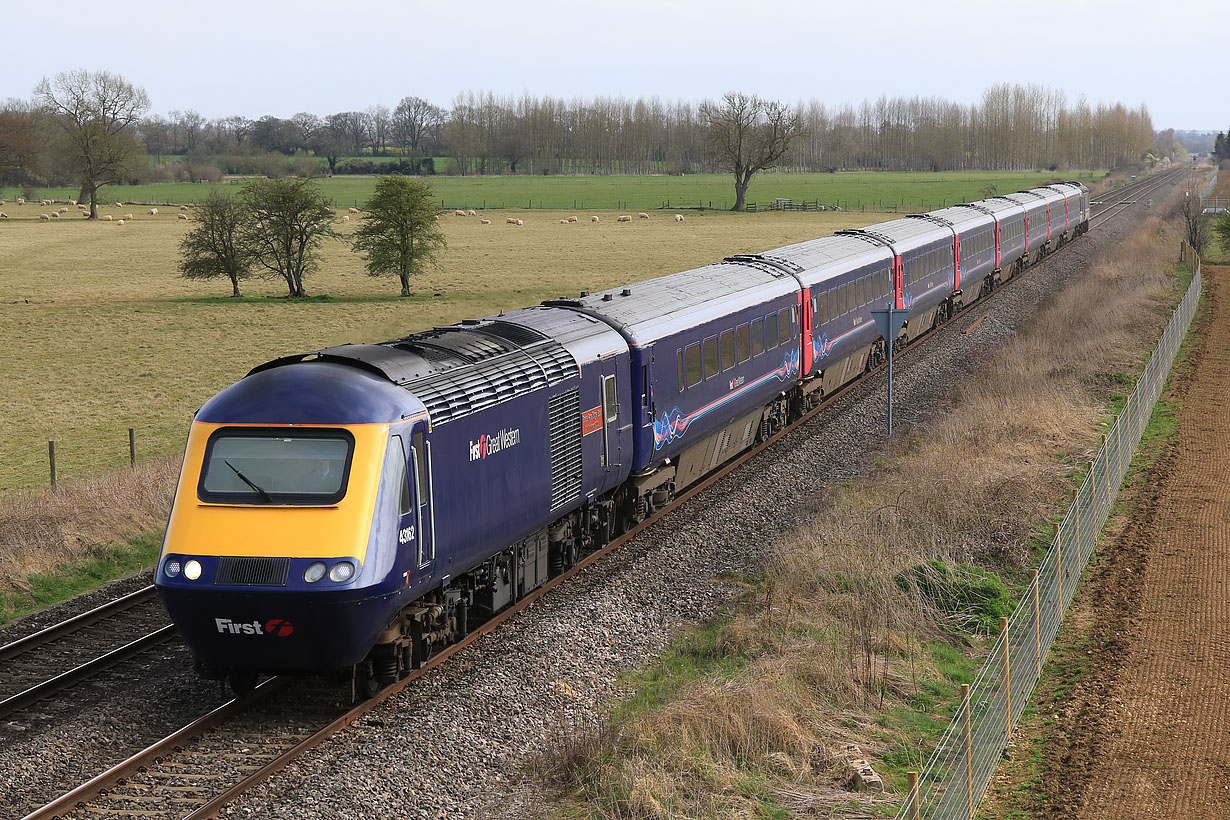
(854, 191)
(855, 634)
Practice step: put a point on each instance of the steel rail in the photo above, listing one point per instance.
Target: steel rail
(93, 616)
(64, 680)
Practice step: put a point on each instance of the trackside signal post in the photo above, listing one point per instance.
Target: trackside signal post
(889, 321)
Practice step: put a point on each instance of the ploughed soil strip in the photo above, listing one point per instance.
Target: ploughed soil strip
(1145, 729)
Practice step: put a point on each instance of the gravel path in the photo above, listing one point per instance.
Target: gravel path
(455, 745)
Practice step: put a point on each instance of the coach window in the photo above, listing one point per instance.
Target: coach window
(770, 331)
(841, 299)
(692, 358)
(728, 349)
(784, 320)
(679, 369)
(711, 357)
(757, 337)
(743, 343)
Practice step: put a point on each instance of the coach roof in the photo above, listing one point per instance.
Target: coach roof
(650, 310)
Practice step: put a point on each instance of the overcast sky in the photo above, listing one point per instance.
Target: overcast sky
(258, 57)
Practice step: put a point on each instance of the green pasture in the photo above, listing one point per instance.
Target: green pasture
(857, 191)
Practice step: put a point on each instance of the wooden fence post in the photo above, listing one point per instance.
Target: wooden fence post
(132, 447)
(1003, 636)
(912, 784)
(51, 457)
(969, 754)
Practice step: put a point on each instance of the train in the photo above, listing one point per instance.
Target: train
(354, 509)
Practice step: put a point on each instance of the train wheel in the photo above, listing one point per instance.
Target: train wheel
(242, 681)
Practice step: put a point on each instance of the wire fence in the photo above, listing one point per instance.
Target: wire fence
(47, 464)
(952, 783)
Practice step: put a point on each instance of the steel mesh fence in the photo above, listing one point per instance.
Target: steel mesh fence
(952, 783)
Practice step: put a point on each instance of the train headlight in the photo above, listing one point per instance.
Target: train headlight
(192, 569)
(171, 568)
(342, 571)
(314, 572)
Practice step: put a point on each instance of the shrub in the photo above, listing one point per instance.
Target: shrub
(972, 597)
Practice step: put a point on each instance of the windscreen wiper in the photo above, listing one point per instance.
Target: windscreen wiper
(249, 482)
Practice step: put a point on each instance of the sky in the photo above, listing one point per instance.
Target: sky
(259, 57)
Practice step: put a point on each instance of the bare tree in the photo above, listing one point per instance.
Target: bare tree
(20, 133)
(1197, 224)
(308, 124)
(378, 119)
(413, 121)
(288, 220)
(98, 113)
(215, 246)
(748, 134)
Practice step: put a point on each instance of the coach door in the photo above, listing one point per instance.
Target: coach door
(424, 513)
(610, 423)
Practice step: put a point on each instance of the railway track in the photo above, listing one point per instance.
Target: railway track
(49, 662)
(199, 769)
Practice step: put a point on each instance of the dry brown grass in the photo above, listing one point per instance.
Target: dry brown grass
(830, 643)
(44, 531)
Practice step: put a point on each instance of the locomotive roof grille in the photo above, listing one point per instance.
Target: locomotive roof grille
(456, 371)
(458, 392)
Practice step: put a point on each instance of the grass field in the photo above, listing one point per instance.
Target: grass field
(103, 335)
(853, 191)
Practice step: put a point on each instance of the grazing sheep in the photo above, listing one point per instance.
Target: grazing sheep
(20, 201)
(128, 216)
(678, 217)
(183, 207)
(563, 222)
(46, 202)
(3, 215)
(107, 218)
(119, 204)
(643, 216)
(121, 222)
(72, 202)
(182, 216)
(346, 218)
(512, 220)
(593, 219)
(484, 222)
(55, 214)
(472, 212)
(572, 219)
(63, 210)
(624, 218)
(44, 217)
(519, 222)
(152, 212)
(81, 207)
(1, 201)
(354, 210)
(459, 213)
